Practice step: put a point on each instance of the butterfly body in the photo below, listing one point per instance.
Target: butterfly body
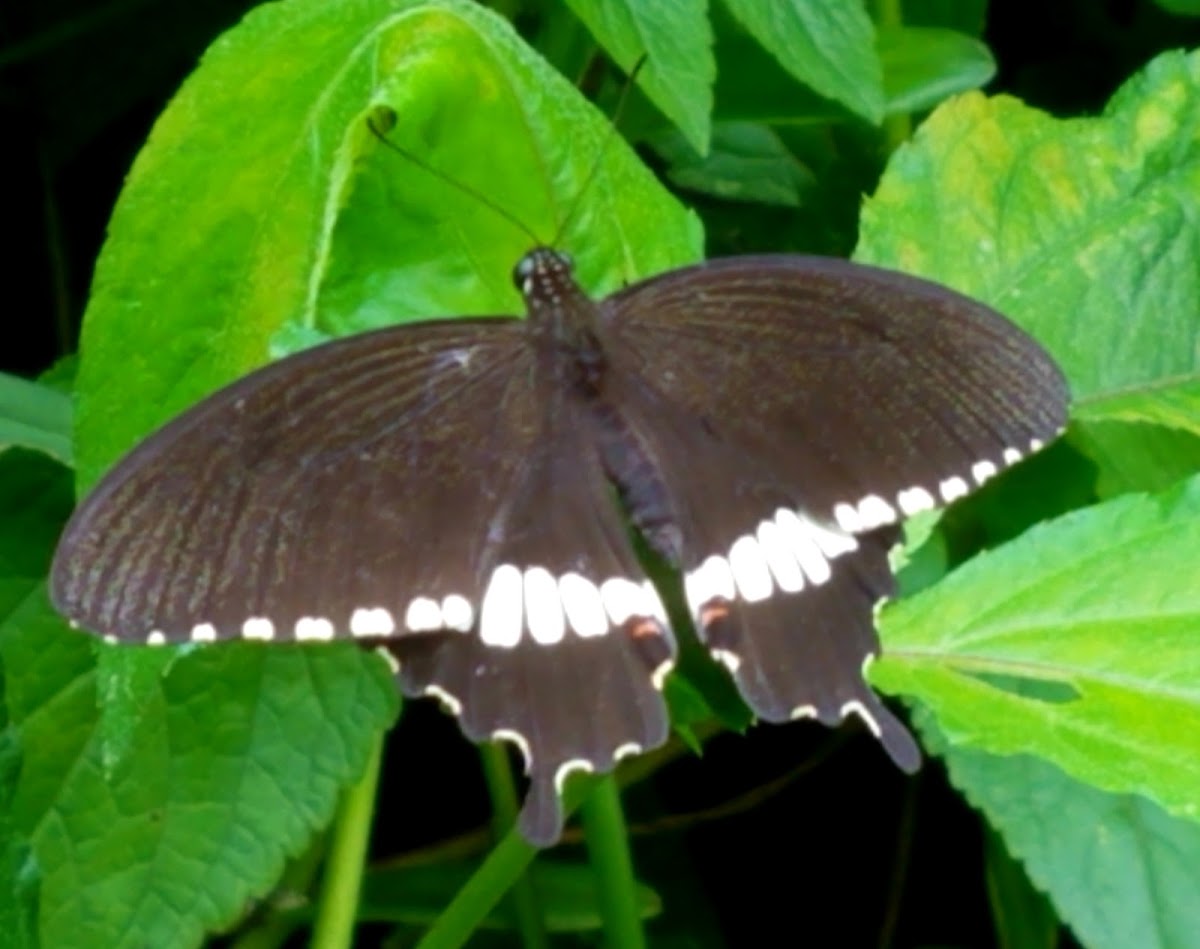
(445, 490)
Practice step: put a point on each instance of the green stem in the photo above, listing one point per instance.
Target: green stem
(487, 886)
(897, 129)
(608, 851)
(337, 906)
(505, 807)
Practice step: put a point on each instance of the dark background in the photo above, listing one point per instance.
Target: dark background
(822, 858)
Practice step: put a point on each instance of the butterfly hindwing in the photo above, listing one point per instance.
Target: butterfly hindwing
(571, 653)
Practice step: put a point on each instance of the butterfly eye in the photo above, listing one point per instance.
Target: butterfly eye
(523, 272)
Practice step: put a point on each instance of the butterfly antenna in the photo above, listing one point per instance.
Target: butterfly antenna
(595, 170)
(382, 122)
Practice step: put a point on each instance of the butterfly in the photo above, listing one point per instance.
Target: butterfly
(459, 494)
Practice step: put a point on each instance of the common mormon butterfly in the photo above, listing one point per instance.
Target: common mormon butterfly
(457, 492)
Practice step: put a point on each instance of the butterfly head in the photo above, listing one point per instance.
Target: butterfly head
(545, 275)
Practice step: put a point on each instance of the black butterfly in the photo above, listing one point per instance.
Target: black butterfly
(445, 490)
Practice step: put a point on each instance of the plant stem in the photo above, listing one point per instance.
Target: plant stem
(897, 128)
(608, 849)
(487, 886)
(505, 806)
(337, 906)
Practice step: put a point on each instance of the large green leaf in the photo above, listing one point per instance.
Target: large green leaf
(1121, 872)
(287, 217)
(1083, 231)
(1077, 643)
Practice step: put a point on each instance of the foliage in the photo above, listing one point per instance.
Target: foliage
(1050, 657)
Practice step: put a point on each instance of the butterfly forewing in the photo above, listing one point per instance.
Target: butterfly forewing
(307, 500)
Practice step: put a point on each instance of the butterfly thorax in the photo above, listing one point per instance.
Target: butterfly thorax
(561, 319)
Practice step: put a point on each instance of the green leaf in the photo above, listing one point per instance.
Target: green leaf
(1083, 231)
(747, 162)
(922, 66)
(829, 45)
(567, 895)
(226, 775)
(1181, 7)
(1075, 642)
(287, 213)
(35, 416)
(18, 871)
(1172, 401)
(1120, 871)
(675, 38)
(1136, 457)
(1023, 917)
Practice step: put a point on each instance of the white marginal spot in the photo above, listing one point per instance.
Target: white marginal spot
(874, 511)
(543, 607)
(109, 638)
(711, 580)
(803, 545)
(626, 750)
(423, 615)
(583, 605)
(457, 613)
(257, 627)
(659, 675)
(914, 500)
(730, 660)
(204, 633)
(1036, 444)
(982, 470)
(449, 702)
(156, 637)
(750, 571)
(314, 628)
(372, 622)
(1011, 456)
(622, 599)
(803, 711)
(500, 616)
(507, 734)
(848, 519)
(565, 769)
(392, 661)
(784, 567)
(953, 488)
(855, 706)
(832, 543)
